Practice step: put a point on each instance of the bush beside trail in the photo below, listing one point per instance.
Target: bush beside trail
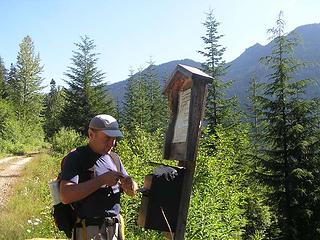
(65, 140)
(16, 136)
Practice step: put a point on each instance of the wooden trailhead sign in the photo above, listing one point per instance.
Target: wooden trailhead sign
(186, 91)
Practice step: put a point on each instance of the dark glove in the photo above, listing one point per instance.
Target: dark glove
(167, 172)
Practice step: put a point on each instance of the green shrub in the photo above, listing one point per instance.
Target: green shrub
(5, 113)
(222, 199)
(65, 140)
(18, 136)
(8, 146)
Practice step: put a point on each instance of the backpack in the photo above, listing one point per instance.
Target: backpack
(65, 215)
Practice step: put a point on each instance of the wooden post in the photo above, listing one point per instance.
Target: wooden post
(177, 145)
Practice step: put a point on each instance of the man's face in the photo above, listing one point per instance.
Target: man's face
(100, 142)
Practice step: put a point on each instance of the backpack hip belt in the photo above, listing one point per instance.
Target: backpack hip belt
(109, 221)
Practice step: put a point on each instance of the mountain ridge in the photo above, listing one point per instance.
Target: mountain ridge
(242, 68)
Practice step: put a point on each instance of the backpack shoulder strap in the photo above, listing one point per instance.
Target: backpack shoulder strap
(61, 164)
(116, 159)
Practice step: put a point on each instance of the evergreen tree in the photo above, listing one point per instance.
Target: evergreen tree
(159, 111)
(54, 105)
(136, 106)
(86, 95)
(144, 105)
(291, 143)
(28, 100)
(12, 84)
(254, 110)
(3, 75)
(219, 109)
(252, 96)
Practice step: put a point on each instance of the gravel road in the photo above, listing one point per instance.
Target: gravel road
(10, 169)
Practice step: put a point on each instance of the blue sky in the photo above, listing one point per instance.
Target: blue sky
(128, 32)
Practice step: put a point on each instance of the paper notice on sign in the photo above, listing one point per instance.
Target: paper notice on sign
(181, 126)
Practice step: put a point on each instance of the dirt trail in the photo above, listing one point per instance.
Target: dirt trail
(10, 169)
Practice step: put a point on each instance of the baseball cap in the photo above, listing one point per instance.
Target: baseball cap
(106, 124)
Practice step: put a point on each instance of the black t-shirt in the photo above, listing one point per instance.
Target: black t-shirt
(79, 165)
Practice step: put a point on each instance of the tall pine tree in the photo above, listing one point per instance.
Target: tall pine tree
(28, 99)
(3, 76)
(219, 109)
(12, 84)
(253, 113)
(159, 111)
(291, 143)
(86, 95)
(54, 105)
(144, 105)
(136, 105)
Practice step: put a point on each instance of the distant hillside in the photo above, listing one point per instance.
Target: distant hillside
(242, 68)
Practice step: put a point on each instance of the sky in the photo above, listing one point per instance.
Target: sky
(128, 33)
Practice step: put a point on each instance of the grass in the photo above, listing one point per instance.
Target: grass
(2, 155)
(28, 211)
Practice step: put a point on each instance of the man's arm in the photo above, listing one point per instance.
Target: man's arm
(72, 192)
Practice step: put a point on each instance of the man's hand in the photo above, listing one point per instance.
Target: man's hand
(129, 186)
(111, 178)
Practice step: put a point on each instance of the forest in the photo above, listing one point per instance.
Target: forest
(257, 174)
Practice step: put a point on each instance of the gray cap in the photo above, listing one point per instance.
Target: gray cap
(106, 124)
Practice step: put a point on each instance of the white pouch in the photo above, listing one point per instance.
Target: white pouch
(55, 191)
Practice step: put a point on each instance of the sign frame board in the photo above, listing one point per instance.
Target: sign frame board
(186, 91)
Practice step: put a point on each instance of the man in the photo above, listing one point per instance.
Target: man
(93, 177)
